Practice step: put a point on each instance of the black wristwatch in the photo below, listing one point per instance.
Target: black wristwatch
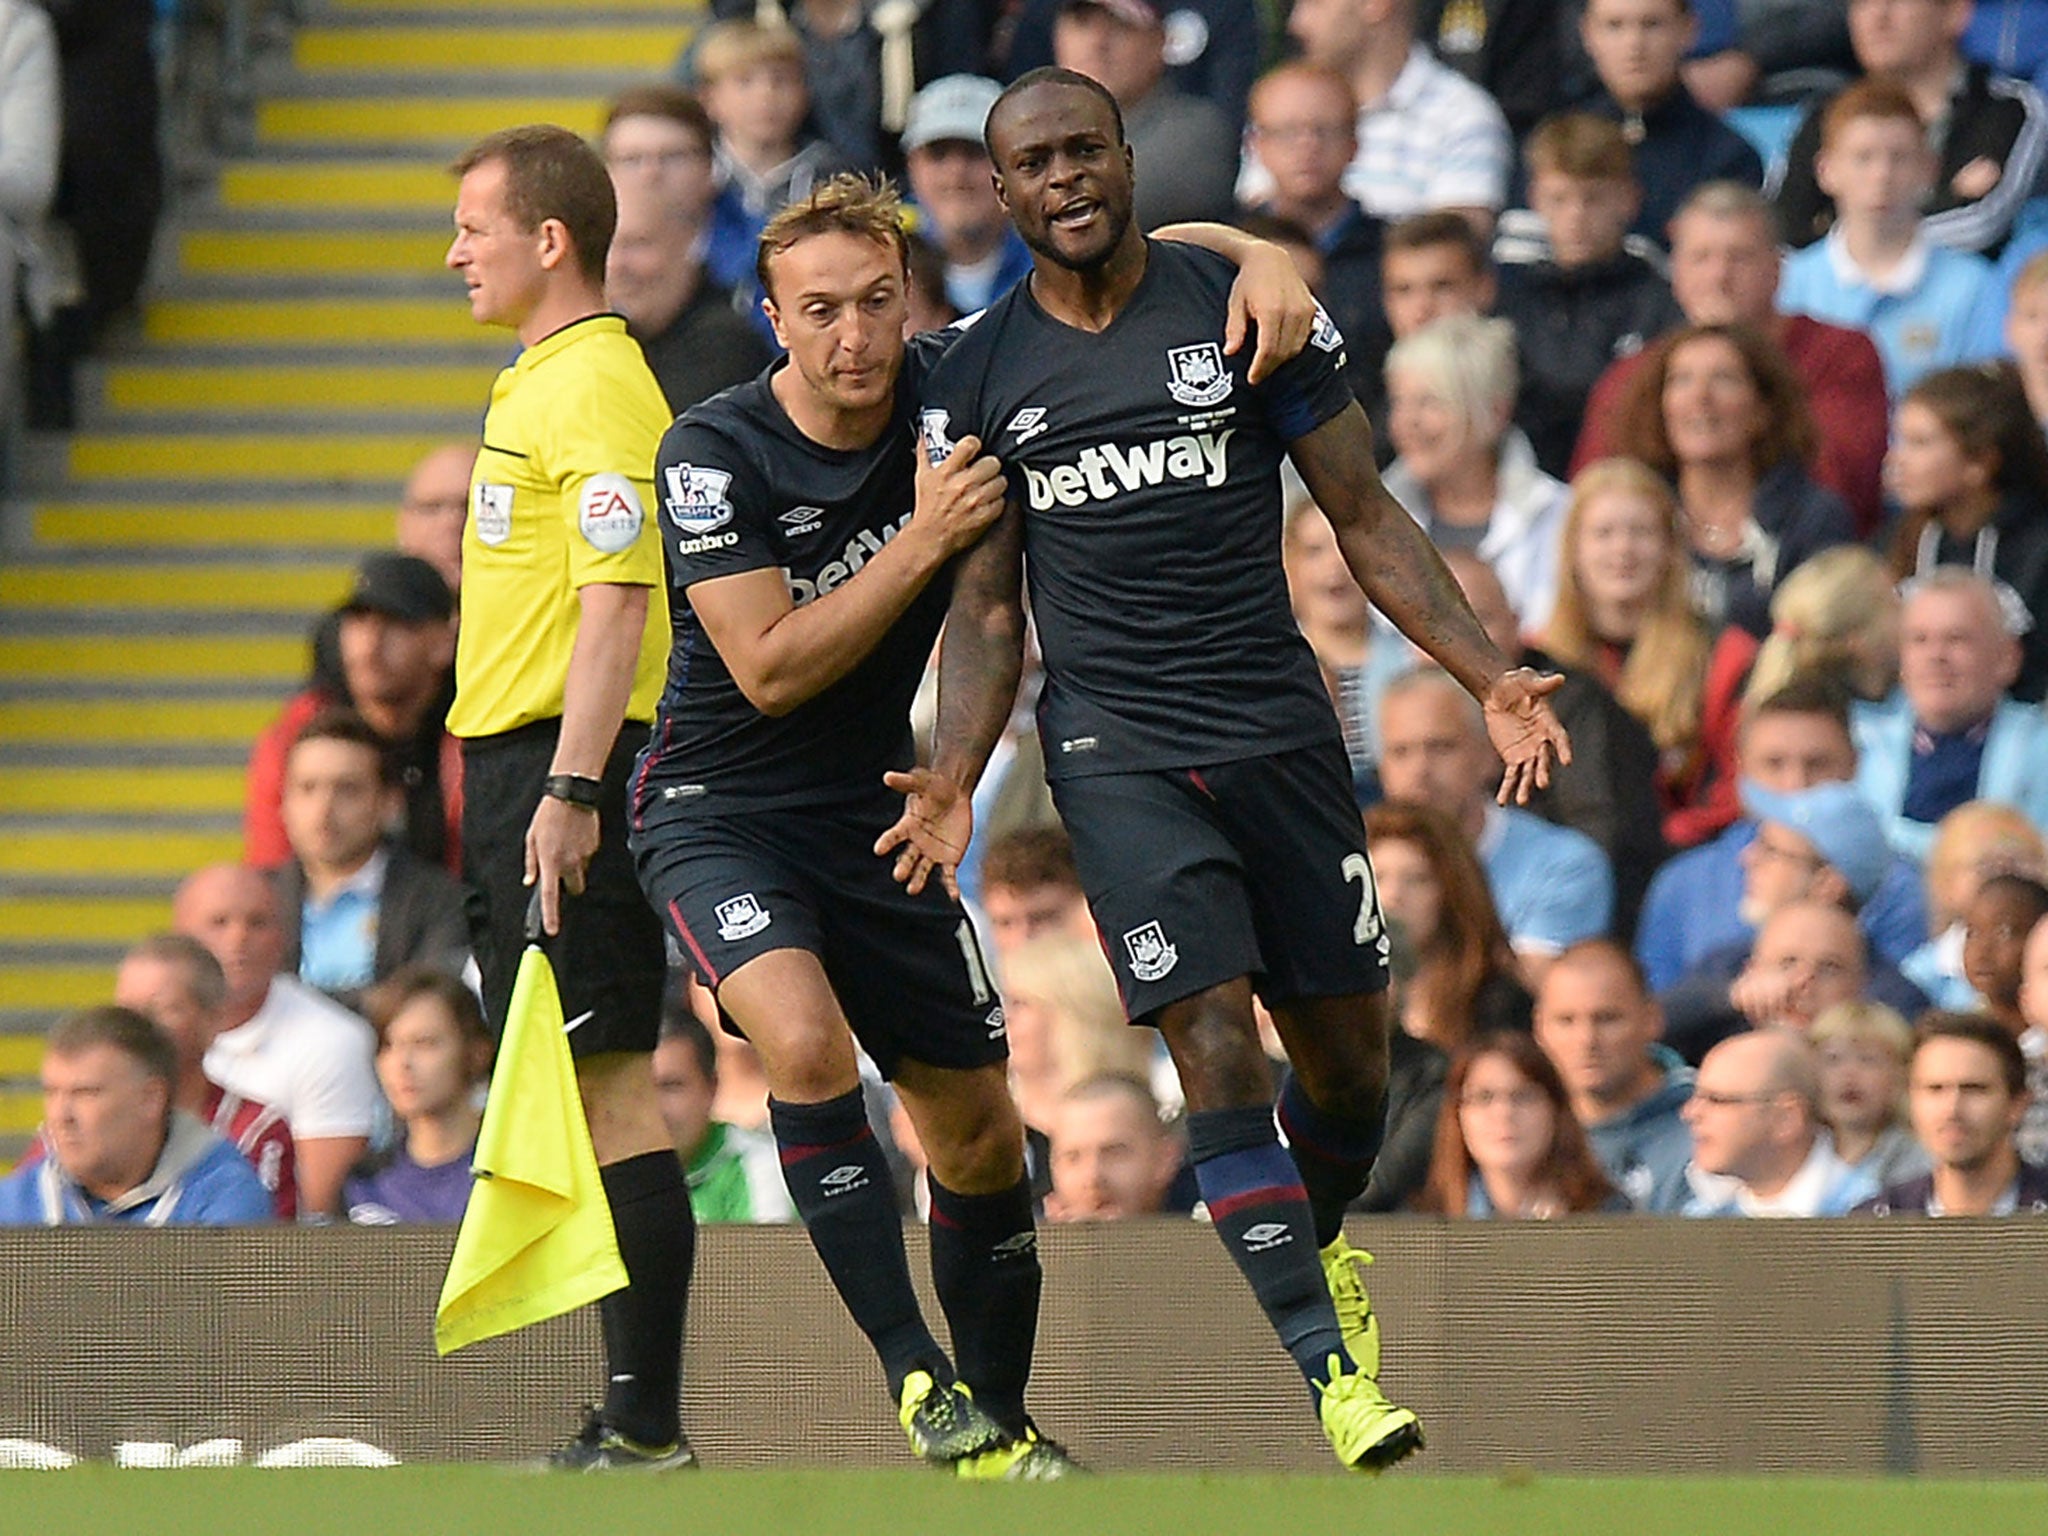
(574, 788)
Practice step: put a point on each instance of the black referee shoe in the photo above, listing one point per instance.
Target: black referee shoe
(600, 1448)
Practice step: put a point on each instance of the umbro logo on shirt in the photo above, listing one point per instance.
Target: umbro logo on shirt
(1028, 423)
(802, 519)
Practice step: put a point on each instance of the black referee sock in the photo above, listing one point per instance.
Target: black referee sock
(1261, 1212)
(643, 1324)
(985, 1269)
(1334, 1154)
(840, 1182)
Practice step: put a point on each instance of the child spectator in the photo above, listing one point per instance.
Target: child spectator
(433, 1058)
(751, 80)
(1862, 1049)
(1975, 842)
(1507, 1142)
(1969, 470)
(1995, 930)
(2026, 332)
(1589, 301)
(2033, 1137)
(1877, 270)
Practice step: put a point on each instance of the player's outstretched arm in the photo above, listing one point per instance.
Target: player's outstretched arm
(981, 659)
(1401, 571)
(1269, 296)
(781, 655)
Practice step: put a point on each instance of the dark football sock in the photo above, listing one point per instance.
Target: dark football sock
(985, 1269)
(1334, 1154)
(643, 1324)
(840, 1182)
(1261, 1212)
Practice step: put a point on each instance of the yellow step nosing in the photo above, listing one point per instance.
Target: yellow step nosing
(20, 1055)
(402, 50)
(297, 387)
(300, 252)
(115, 527)
(404, 119)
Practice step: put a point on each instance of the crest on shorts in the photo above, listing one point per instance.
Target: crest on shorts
(1151, 956)
(1198, 376)
(697, 498)
(740, 918)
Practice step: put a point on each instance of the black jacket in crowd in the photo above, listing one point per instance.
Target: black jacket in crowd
(420, 919)
(1989, 118)
(1570, 323)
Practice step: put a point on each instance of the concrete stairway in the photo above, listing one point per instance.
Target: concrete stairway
(234, 461)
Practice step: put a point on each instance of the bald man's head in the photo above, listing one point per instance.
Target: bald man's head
(1489, 599)
(232, 909)
(436, 503)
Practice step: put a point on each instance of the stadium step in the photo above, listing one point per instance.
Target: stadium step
(305, 348)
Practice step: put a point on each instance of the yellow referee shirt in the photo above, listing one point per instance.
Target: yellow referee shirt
(561, 498)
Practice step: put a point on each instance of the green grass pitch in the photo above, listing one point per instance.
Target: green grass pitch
(474, 1501)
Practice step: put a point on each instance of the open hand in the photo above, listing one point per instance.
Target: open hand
(933, 831)
(1525, 731)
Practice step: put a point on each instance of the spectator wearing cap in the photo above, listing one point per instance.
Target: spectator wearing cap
(1759, 1145)
(952, 182)
(395, 667)
(357, 908)
(1184, 147)
(1789, 740)
(1966, 1094)
(1819, 854)
(1950, 734)
(118, 1149)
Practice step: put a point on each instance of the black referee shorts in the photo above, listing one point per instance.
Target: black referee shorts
(608, 958)
(906, 969)
(1196, 876)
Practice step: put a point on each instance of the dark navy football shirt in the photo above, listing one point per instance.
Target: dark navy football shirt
(1148, 471)
(740, 488)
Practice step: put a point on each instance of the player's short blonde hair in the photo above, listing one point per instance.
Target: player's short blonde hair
(1581, 146)
(848, 204)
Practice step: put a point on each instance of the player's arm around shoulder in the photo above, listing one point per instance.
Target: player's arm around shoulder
(782, 655)
(1398, 567)
(1269, 297)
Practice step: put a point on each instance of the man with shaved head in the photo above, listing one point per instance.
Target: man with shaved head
(1598, 1024)
(281, 1042)
(1759, 1148)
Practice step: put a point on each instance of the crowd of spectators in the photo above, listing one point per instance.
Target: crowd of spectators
(1741, 432)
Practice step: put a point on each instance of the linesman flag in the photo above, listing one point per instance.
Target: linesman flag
(537, 1239)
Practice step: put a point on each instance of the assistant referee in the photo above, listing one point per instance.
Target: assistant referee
(560, 663)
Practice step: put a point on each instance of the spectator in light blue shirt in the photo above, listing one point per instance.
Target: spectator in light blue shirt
(1876, 270)
(1553, 886)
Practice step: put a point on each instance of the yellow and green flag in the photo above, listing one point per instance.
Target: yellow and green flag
(537, 1238)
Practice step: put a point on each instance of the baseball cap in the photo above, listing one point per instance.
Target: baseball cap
(952, 107)
(1132, 13)
(1839, 823)
(400, 587)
